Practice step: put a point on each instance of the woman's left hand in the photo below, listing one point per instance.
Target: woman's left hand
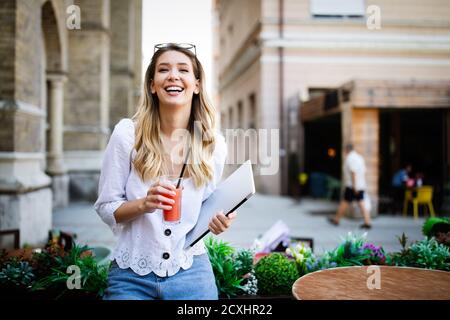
(219, 223)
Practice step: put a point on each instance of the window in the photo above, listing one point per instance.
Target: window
(337, 8)
(230, 118)
(253, 115)
(240, 115)
(331, 100)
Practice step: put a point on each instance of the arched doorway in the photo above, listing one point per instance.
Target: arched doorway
(54, 76)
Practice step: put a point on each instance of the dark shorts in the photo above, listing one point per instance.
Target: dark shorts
(349, 195)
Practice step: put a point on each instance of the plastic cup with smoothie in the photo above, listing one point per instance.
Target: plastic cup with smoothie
(173, 216)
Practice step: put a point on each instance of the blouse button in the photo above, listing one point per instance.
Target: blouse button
(167, 232)
(166, 255)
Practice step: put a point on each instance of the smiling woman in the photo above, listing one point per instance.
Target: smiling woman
(164, 111)
(132, 195)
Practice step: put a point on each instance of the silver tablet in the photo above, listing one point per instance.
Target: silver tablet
(229, 195)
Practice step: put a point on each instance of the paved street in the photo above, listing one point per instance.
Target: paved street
(305, 219)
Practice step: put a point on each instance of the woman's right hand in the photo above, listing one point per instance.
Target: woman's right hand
(157, 197)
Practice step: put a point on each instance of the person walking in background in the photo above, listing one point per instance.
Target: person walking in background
(355, 186)
(399, 184)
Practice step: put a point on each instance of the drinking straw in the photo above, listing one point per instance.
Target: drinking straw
(184, 167)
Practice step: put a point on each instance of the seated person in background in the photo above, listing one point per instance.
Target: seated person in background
(419, 179)
(400, 181)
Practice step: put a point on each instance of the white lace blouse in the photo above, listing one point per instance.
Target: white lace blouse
(146, 244)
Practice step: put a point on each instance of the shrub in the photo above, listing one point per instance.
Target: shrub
(276, 274)
(427, 253)
(244, 261)
(225, 267)
(350, 252)
(17, 274)
(93, 278)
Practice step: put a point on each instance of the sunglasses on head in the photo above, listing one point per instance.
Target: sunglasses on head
(187, 46)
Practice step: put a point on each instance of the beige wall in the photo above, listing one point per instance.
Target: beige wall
(393, 11)
(236, 19)
(416, 11)
(413, 43)
(239, 91)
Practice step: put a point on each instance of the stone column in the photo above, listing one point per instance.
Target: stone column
(55, 163)
(56, 102)
(125, 57)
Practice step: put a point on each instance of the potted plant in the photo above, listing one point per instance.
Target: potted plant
(276, 274)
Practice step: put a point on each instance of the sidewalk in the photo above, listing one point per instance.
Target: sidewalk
(306, 219)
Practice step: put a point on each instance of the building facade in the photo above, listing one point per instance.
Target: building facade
(62, 89)
(285, 52)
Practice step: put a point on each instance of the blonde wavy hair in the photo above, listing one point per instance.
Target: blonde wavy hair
(149, 161)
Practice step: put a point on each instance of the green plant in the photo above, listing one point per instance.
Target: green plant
(325, 261)
(275, 274)
(227, 271)
(399, 258)
(434, 225)
(44, 261)
(351, 252)
(17, 274)
(403, 239)
(93, 278)
(244, 267)
(376, 254)
(427, 253)
(303, 257)
(244, 261)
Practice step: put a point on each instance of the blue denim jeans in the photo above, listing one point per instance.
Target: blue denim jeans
(195, 283)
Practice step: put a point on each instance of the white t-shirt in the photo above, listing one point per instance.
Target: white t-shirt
(354, 162)
(143, 244)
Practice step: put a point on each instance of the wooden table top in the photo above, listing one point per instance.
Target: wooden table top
(361, 283)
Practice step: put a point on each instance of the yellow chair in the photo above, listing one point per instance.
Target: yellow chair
(303, 178)
(424, 196)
